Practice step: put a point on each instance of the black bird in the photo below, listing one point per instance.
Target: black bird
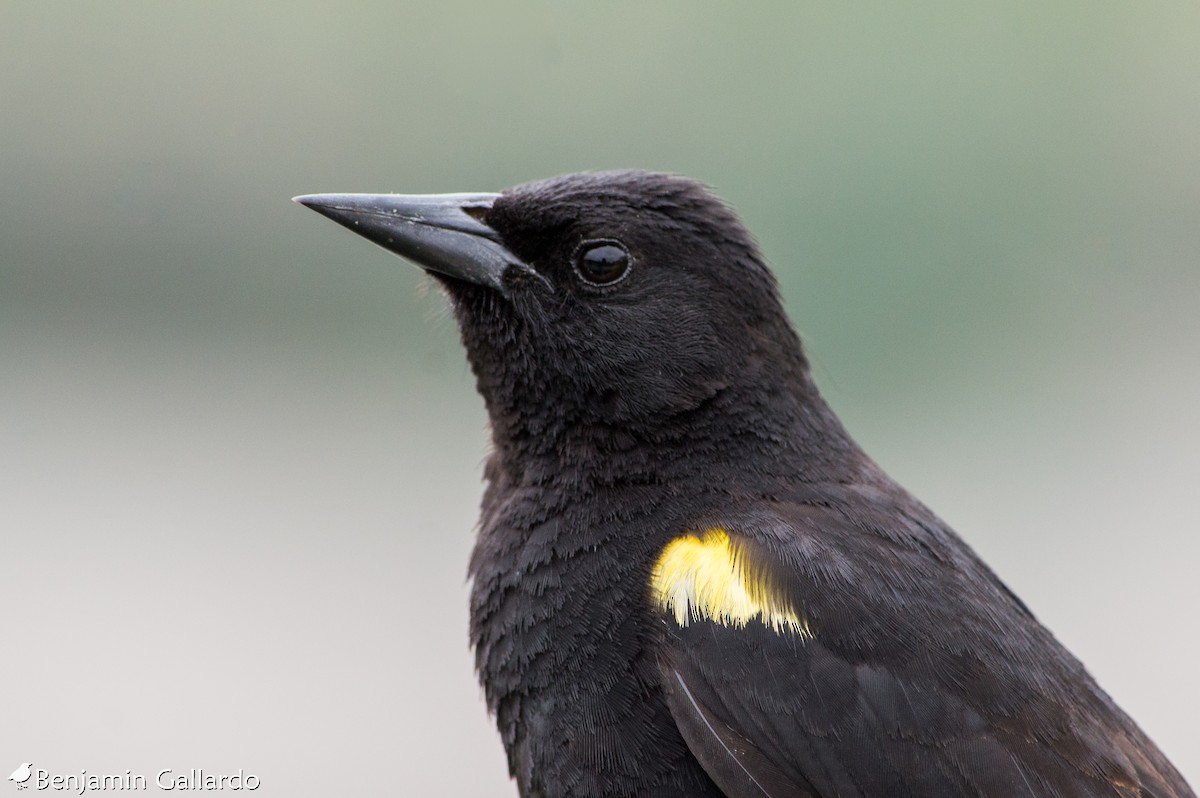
(689, 580)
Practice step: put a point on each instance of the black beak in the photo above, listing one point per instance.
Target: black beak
(438, 232)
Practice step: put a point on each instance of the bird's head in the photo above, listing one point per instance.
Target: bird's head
(613, 298)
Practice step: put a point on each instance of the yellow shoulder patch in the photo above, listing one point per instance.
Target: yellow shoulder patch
(706, 577)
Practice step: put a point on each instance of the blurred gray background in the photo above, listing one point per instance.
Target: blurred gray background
(240, 448)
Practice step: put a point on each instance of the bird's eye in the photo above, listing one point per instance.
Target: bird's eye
(602, 262)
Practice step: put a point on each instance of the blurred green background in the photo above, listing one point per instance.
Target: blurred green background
(240, 449)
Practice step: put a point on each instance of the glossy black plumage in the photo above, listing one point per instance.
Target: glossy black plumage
(677, 399)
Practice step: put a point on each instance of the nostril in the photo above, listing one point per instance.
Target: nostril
(477, 212)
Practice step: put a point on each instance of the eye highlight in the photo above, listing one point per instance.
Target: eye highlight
(602, 262)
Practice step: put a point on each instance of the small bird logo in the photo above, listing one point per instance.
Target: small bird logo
(21, 775)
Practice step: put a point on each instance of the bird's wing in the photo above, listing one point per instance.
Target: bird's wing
(808, 652)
